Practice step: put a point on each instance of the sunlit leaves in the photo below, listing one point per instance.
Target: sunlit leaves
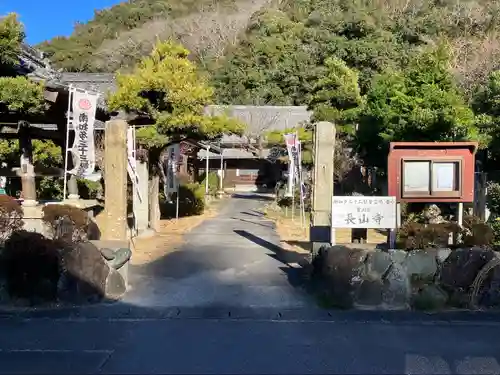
(11, 37)
(19, 94)
(168, 87)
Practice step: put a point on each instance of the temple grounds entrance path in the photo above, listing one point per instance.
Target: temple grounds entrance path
(230, 261)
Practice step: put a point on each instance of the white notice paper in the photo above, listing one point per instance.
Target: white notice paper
(443, 176)
(416, 176)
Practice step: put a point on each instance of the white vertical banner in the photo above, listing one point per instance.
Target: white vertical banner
(84, 107)
(291, 143)
(295, 149)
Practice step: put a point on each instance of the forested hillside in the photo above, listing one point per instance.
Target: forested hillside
(382, 70)
(119, 36)
(284, 50)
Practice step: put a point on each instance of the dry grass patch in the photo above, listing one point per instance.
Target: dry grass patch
(293, 234)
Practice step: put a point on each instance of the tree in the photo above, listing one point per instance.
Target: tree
(486, 104)
(23, 97)
(17, 94)
(11, 37)
(336, 97)
(420, 103)
(168, 87)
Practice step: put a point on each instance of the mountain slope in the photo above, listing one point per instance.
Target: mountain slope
(284, 51)
(117, 37)
(273, 51)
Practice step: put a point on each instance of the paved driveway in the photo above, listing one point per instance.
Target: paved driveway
(232, 260)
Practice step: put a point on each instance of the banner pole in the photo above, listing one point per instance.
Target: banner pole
(68, 121)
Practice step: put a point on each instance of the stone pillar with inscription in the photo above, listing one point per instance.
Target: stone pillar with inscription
(141, 202)
(115, 180)
(73, 188)
(72, 184)
(27, 171)
(321, 233)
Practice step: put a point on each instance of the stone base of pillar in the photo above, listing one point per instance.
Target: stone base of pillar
(146, 233)
(73, 197)
(29, 203)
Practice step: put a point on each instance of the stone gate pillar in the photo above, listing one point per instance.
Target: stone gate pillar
(27, 171)
(115, 180)
(322, 189)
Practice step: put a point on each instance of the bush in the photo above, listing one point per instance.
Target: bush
(32, 266)
(192, 197)
(191, 201)
(476, 232)
(495, 229)
(213, 182)
(67, 222)
(284, 201)
(413, 235)
(493, 198)
(11, 217)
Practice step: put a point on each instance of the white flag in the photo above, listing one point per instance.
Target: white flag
(83, 150)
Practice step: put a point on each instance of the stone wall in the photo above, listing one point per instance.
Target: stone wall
(398, 279)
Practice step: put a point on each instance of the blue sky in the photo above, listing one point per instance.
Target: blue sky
(51, 18)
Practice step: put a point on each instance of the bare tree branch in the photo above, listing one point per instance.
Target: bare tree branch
(206, 33)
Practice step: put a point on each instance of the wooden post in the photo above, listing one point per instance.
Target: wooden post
(115, 179)
(321, 232)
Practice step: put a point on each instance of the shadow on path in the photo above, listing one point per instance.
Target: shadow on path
(293, 261)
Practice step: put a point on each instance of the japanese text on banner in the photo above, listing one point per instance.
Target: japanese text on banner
(83, 150)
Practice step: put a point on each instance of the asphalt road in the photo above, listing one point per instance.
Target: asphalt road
(241, 346)
(228, 303)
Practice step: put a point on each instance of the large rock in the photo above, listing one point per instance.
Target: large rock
(341, 269)
(488, 293)
(462, 266)
(115, 285)
(84, 274)
(421, 264)
(398, 256)
(430, 297)
(369, 293)
(377, 264)
(397, 291)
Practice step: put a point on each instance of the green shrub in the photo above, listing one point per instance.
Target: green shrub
(191, 201)
(213, 182)
(67, 222)
(49, 188)
(11, 217)
(89, 189)
(493, 198)
(413, 235)
(495, 229)
(476, 232)
(193, 198)
(32, 266)
(285, 202)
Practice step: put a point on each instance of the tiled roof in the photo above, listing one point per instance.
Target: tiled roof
(96, 82)
(230, 153)
(264, 118)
